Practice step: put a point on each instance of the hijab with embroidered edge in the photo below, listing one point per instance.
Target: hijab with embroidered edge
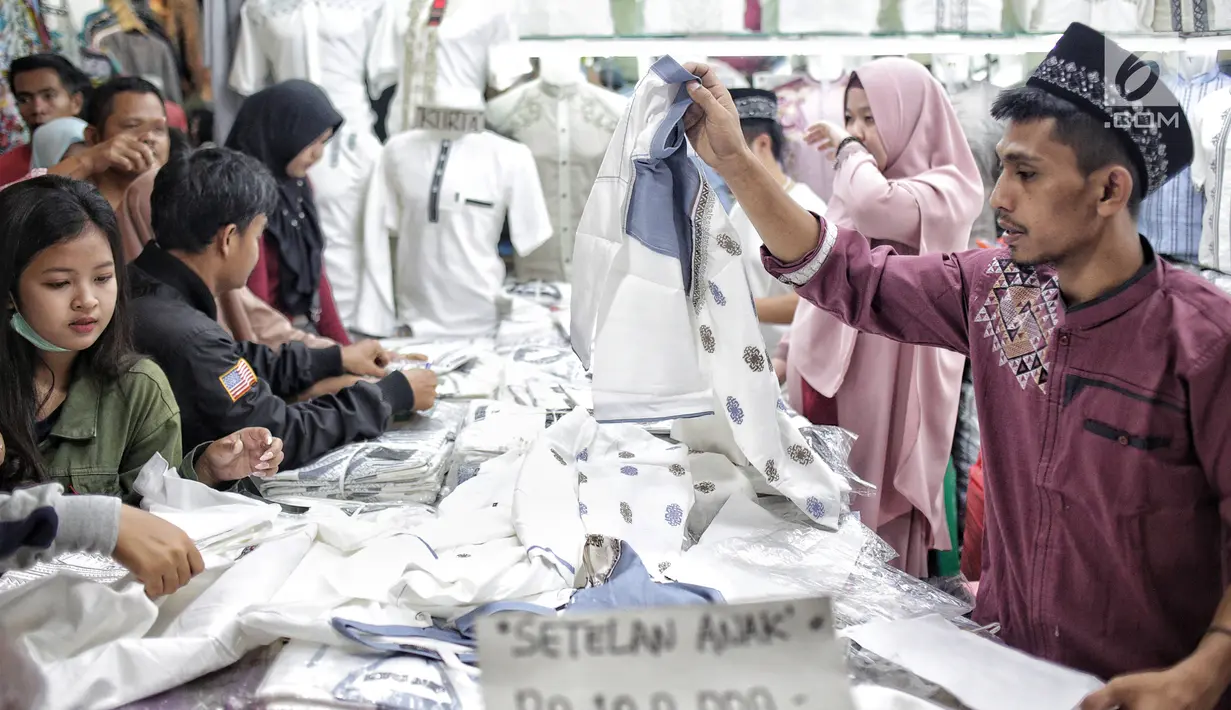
(274, 125)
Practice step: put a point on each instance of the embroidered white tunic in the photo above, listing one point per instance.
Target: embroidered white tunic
(567, 127)
(447, 65)
(952, 15)
(446, 197)
(326, 42)
(662, 312)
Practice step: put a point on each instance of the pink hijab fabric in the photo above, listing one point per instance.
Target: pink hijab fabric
(900, 400)
(928, 159)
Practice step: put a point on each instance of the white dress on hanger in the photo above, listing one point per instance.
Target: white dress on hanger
(326, 42)
(448, 65)
(1192, 15)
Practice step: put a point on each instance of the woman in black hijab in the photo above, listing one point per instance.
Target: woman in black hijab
(286, 127)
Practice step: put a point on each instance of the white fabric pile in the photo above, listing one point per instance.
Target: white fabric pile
(405, 464)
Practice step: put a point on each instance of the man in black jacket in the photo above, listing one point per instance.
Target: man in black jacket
(209, 209)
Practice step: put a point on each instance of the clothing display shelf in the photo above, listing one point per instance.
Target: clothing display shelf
(744, 45)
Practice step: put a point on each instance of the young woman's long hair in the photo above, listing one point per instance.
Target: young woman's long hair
(34, 215)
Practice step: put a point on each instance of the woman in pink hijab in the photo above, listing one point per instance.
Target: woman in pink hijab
(917, 188)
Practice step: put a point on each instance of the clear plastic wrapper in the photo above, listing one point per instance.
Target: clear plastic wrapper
(404, 465)
(833, 444)
(467, 368)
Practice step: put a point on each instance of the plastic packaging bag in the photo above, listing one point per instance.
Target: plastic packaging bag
(404, 465)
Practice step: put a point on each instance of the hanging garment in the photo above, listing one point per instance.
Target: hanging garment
(952, 15)
(1191, 15)
(760, 282)
(565, 18)
(147, 56)
(440, 55)
(662, 312)
(567, 127)
(1103, 15)
(973, 104)
(824, 16)
(221, 22)
(801, 103)
(181, 19)
(690, 17)
(331, 44)
(1171, 217)
(1211, 123)
(446, 196)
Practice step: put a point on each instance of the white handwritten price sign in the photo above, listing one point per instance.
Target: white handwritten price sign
(773, 656)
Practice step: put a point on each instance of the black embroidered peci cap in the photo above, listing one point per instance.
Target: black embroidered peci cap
(1115, 85)
(755, 103)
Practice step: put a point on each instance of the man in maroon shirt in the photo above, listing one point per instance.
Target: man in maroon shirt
(1102, 373)
(45, 87)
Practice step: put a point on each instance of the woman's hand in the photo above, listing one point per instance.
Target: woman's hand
(242, 454)
(160, 555)
(825, 136)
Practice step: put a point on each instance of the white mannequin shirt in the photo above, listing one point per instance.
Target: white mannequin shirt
(446, 197)
(567, 127)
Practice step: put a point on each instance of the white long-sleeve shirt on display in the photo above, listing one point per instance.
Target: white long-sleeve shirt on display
(662, 312)
(449, 63)
(446, 196)
(1211, 123)
(567, 128)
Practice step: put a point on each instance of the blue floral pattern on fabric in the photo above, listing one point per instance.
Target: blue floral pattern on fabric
(625, 455)
(771, 471)
(717, 294)
(735, 411)
(584, 455)
(626, 512)
(705, 487)
(581, 478)
(674, 515)
(676, 470)
(583, 509)
(816, 508)
(629, 470)
(781, 405)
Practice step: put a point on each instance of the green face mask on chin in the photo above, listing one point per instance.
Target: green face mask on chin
(24, 330)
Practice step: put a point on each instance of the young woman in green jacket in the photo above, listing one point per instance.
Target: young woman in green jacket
(78, 406)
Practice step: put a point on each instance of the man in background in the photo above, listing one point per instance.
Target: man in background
(45, 87)
(775, 302)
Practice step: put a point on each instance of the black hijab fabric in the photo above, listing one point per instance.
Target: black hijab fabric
(274, 125)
